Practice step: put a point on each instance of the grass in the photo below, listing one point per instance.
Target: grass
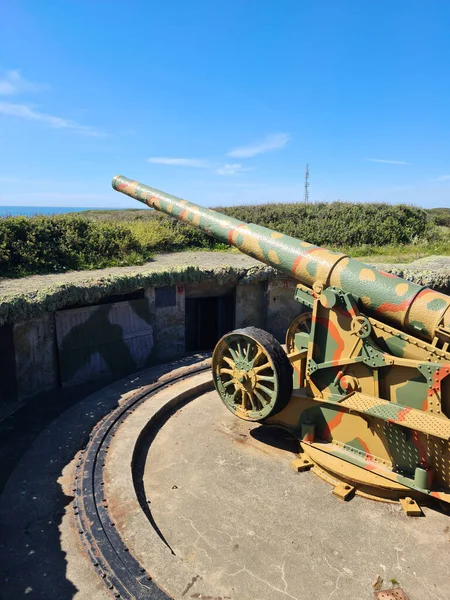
(157, 232)
(439, 245)
(105, 238)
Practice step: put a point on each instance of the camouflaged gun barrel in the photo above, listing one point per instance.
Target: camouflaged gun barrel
(408, 306)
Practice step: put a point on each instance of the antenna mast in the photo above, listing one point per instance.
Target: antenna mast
(307, 184)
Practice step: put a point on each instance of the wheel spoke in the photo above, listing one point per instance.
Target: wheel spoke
(248, 401)
(265, 389)
(265, 378)
(239, 349)
(258, 354)
(227, 371)
(233, 397)
(233, 354)
(261, 367)
(252, 402)
(261, 399)
(227, 384)
(229, 361)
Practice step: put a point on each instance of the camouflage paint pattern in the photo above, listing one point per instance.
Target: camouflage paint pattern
(371, 400)
(103, 340)
(381, 399)
(392, 299)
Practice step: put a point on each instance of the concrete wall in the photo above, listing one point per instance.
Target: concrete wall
(282, 308)
(82, 344)
(168, 323)
(108, 339)
(208, 288)
(35, 352)
(251, 305)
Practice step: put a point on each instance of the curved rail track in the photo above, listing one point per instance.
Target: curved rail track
(121, 572)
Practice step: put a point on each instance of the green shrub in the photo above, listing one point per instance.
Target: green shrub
(96, 239)
(336, 224)
(339, 223)
(163, 234)
(48, 244)
(440, 216)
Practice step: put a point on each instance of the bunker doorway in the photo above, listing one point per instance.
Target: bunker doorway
(207, 320)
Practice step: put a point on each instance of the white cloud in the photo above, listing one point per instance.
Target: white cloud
(199, 163)
(270, 142)
(22, 111)
(179, 162)
(388, 162)
(232, 169)
(13, 83)
(442, 178)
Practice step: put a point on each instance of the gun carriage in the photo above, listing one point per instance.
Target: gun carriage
(364, 382)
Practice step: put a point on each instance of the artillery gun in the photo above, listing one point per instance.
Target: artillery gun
(364, 382)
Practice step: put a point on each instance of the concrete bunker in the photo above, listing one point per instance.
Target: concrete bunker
(117, 333)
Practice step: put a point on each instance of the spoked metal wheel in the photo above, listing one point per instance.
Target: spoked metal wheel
(252, 373)
(301, 324)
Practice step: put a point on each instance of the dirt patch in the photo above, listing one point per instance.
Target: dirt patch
(162, 262)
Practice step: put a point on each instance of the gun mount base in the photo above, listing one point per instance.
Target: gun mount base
(366, 484)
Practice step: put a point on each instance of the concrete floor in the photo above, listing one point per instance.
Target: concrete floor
(225, 498)
(41, 557)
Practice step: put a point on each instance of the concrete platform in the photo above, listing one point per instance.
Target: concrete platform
(210, 507)
(226, 501)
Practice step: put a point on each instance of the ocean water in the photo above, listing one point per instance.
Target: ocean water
(42, 210)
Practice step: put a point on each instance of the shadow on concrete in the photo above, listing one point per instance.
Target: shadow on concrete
(276, 437)
(36, 444)
(32, 506)
(19, 430)
(38, 536)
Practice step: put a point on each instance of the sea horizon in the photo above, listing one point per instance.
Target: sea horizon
(28, 211)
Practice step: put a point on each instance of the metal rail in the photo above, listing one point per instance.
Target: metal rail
(121, 572)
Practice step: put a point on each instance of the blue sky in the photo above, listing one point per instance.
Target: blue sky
(225, 101)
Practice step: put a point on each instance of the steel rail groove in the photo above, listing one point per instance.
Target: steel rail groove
(120, 571)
